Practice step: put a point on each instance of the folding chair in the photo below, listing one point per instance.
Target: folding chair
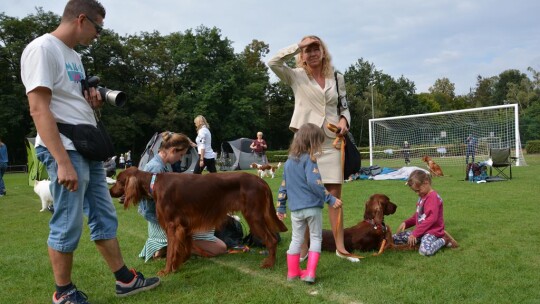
(501, 160)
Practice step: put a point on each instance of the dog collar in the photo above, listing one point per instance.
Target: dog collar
(152, 181)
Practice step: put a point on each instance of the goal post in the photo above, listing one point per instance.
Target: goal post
(446, 136)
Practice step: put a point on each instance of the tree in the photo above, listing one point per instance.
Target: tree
(443, 86)
(15, 34)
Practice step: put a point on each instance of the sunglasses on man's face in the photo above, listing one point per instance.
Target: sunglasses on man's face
(98, 27)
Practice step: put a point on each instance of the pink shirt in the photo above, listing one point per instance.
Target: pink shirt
(428, 217)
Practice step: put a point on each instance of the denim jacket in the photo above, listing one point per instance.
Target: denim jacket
(147, 207)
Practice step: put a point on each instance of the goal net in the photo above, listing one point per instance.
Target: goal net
(447, 137)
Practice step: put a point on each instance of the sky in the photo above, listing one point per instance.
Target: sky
(421, 40)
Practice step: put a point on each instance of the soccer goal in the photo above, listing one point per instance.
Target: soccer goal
(447, 137)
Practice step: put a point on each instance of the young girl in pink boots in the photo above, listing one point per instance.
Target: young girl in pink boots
(303, 188)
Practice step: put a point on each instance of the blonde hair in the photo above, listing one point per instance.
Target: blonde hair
(261, 133)
(174, 140)
(308, 139)
(418, 177)
(327, 68)
(200, 121)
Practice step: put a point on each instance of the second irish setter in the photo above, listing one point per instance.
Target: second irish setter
(433, 167)
(186, 202)
(371, 233)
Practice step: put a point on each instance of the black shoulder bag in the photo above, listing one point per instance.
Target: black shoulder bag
(91, 142)
(352, 156)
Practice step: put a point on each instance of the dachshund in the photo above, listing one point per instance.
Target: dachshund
(266, 169)
(371, 233)
(189, 202)
(434, 169)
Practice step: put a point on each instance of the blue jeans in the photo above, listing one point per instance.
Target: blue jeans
(3, 168)
(92, 199)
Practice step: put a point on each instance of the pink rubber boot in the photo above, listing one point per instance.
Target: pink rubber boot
(293, 266)
(309, 274)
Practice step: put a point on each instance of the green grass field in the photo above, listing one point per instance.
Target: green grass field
(496, 225)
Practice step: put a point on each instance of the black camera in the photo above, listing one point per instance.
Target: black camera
(115, 98)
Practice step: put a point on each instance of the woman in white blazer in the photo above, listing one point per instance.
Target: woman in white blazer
(316, 101)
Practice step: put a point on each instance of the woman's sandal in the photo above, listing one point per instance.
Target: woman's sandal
(349, 256)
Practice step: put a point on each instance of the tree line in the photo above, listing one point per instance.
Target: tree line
(169, 79)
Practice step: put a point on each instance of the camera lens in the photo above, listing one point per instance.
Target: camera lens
(115, 98)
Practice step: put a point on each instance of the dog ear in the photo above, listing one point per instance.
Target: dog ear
(132, 192)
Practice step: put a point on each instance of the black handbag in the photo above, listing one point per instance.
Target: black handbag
(92, 142)
(352, 155)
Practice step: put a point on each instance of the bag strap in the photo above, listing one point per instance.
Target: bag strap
(65, 129)
(339, 97)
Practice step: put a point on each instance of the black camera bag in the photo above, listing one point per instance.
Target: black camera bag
(93, 143)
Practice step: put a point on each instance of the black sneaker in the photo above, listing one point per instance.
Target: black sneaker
(138, 284)
(72, 296)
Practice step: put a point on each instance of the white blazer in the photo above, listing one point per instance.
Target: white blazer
(312, 104)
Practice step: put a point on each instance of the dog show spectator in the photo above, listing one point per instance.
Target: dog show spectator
(302, 187)
(3, 166)
(259, 147)
(317, 101)
(173, 147)
(207, 157)
(427, 219)
(470, 149)
(51, 71)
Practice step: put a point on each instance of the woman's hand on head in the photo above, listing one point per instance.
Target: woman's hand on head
(307, 41)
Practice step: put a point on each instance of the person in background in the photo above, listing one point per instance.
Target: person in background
(316, 101)
(129, 162)
(407, 152)
(173, 147)
(427, 219)
(259, 148)
(203, 142)
(51, 71)
(122, 161)
(470, 149)
(3, 166)
(303, 188)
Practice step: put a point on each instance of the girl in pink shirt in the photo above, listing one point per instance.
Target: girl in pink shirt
(428, 219)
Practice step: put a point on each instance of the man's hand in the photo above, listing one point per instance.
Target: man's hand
(67, 177)
(93, 97)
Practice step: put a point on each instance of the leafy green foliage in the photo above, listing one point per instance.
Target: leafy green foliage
(170, 79)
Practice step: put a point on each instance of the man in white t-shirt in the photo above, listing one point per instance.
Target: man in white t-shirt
(52, 72)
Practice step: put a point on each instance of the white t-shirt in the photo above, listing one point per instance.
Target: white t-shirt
(204, 141)
(48, 62)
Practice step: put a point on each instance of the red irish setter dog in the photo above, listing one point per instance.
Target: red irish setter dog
(369, 234)
(185, 202)
(433, 167)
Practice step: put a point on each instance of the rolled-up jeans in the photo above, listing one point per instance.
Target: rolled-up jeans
(92, 199)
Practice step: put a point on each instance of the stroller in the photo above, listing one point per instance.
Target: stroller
(110, 167)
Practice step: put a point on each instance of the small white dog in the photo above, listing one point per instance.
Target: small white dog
(41, 188)
(266, 170)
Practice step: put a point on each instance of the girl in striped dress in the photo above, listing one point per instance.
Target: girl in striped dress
(173, 147)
